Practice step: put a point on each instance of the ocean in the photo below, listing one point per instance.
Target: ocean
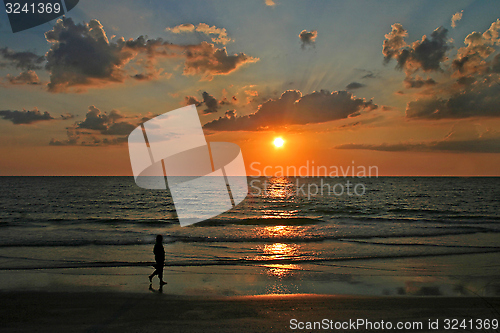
(377, 236)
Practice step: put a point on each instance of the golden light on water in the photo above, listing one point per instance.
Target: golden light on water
(279, 251)
(279, 187)
(281, 271)
(278, 142)
(277, 231)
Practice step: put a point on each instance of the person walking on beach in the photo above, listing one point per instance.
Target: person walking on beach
(159, 252)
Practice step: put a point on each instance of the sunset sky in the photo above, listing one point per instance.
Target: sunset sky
(411, 87)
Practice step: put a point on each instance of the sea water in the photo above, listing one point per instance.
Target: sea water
(392, 236)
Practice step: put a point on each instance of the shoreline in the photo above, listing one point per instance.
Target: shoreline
(148, 312)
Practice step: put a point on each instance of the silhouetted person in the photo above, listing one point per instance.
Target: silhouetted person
(160, 260)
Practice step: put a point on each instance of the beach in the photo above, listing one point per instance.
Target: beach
(152, 312)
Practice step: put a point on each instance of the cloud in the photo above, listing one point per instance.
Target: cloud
(480, 102)
(152, 74)
(100, 129)
(95, 120)
(308, 37)
(228, 101)
(186, 27)
(418, 82)
(25, 117)
(294, 109)
(394, 42)
(354, 85)
(221, 36)
(143, 76)
(76, 139)
(426, 54)
(369, 75)
(26, 77)
(81, 55)
(488, 142)
(455, 18)
(21, 60)
(206, 60)
(495, 65)
(471, 58)
(211, 103)
(189, 100)
(468, 87)
(67, 116)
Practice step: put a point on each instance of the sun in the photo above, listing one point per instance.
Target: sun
(278, 142)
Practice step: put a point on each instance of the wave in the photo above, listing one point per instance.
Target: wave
(128, 238)
(273, 221)
(247, 261)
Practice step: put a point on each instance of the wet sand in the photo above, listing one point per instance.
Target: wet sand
(154, 312)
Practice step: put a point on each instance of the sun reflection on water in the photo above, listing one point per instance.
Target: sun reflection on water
(279, 187)
(280, 250)
(281, 271)
(280, 232)
(276, 252)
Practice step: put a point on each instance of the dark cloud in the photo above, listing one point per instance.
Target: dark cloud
(81, 55)
(359, 123)
(480, 102)
(495, 64)
(418, 82)
(80, 140)
(121, 128)
(228, 101)
(426, 54)
(466, 80)
(100, 129)
(467, 88)
(308, 37)
(24, 60)
(370, 75)
(210, 102)
(26, 77)
(25, 117)
(144, 76)
(95, 120)
(354, 85)
(293, 108)
(67, 116)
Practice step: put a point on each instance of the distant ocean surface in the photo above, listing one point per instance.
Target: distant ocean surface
(51, 222)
